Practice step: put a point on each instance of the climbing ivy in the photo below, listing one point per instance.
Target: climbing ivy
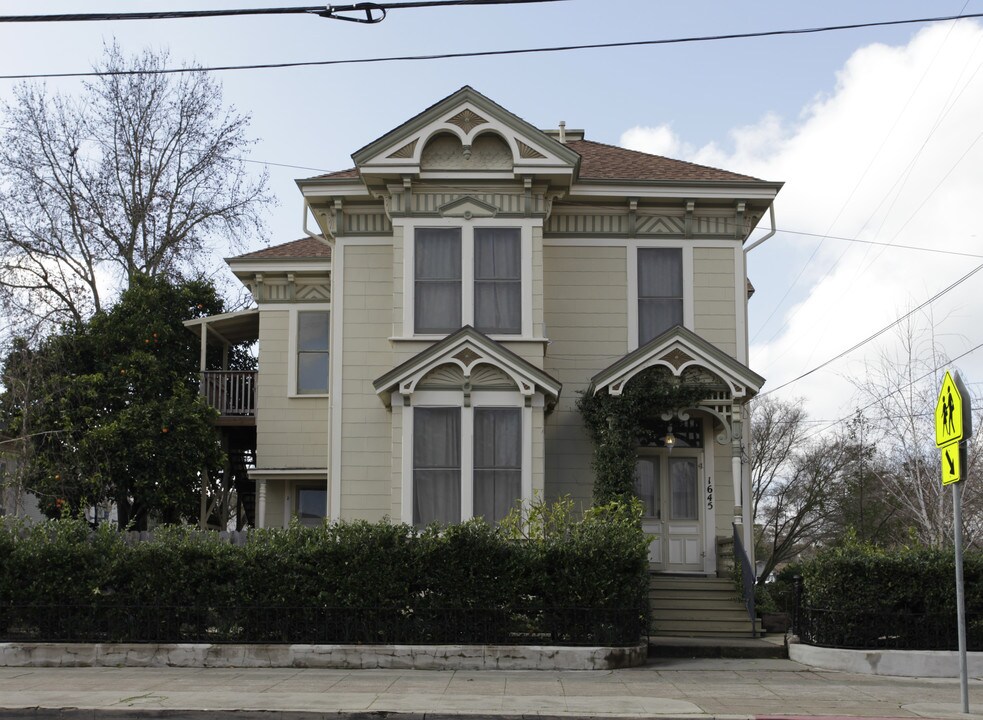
(618, 425)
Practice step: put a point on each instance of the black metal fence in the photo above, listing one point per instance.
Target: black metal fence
(308, 625)
(895, 630)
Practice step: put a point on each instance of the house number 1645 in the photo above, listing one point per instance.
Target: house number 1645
(709, 494)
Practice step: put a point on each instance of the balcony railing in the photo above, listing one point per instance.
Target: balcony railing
(231, 392)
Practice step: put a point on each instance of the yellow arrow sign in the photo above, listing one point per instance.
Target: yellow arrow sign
(948, 413)
(951, 467)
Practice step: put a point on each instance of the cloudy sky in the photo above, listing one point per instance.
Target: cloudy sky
(877, 133)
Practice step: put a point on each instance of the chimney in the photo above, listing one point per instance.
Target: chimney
(563, 131)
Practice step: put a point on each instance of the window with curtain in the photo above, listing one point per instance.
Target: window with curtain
(497, 461)
(647, 489)
(437, 291)
(313, 331)
(311, 505)
(683, 489)
(436, 465)
(660, 291)
(498, 280)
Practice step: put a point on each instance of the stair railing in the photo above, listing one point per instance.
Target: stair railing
(747, 578)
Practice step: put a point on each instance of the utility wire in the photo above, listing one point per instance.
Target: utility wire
(874, 402)
(498, 53)
(880, 332)
(325, 11)
(883, 244)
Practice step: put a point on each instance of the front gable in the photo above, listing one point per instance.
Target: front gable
(468, 355)
(679, 350)
(466, 133)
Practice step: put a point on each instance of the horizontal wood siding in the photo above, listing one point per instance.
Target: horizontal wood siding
(366, 427)
(585, 312)
(714, 311)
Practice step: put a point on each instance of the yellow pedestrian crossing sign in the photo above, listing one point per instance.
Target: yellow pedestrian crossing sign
(951, 465)
(949, 413)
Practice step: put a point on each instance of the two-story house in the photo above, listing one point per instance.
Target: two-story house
(421, 350)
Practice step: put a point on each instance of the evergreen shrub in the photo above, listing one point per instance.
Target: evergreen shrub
(583, 582)
(861, 595)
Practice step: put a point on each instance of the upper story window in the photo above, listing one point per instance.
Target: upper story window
(467, 276)
(498, 281)
(660, 291)
(313, 331)
(437, 262)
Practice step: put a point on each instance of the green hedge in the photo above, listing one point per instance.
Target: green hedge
(859, 595)
(472, 572)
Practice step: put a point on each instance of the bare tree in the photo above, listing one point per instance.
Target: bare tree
(138, 174)
(777, 427)
(901, 391)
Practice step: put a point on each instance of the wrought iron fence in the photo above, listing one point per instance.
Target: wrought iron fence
(894, 630)
(313, 625)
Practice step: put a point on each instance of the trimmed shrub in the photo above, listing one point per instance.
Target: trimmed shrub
(860, 595)
(584, 582)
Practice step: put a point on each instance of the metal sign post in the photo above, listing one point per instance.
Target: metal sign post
(953, 424)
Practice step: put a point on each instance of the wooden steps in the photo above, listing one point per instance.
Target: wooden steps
(697, 607)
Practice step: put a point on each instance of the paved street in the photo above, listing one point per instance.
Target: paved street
(663, 689)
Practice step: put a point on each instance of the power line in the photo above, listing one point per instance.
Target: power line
(498, 53)
(884, 244)
(885, 397)
(880, 332)
(325, 11)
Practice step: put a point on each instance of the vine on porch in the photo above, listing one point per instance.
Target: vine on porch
(618, 425)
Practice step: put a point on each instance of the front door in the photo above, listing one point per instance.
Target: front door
(668, 484)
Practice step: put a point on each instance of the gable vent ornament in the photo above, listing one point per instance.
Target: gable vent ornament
(467, 120)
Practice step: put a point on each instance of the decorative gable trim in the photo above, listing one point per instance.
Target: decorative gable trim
(468, 207)
(468, 350)
(466, 114)
(678, 350)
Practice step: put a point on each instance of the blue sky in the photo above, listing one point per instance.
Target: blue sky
(872, 129)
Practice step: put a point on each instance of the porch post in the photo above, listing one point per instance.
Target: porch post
(261, 503)
(736, 470)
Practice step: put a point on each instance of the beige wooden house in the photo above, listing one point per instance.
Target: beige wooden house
(421, 350)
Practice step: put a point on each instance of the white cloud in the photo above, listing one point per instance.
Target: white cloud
(893, 153)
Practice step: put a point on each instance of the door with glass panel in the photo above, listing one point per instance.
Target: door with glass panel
(668, 485)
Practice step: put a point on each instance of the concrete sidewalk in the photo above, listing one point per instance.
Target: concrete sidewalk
(673, 688)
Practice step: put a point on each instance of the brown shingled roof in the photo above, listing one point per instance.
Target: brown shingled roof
(349, 174)
(304, 248)
(608, 162)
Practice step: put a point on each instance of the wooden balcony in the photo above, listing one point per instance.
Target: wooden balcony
(232, 393)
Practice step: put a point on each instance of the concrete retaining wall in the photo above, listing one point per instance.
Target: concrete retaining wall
(398, 657)
(897, 663)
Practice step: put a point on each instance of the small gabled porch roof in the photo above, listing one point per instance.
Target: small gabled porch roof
(678, 349)
(467, 349)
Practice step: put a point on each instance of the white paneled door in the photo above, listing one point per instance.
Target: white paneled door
(668, 485)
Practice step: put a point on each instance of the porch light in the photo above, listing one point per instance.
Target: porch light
(669, 439)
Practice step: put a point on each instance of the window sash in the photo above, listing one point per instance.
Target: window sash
(498, 280)
(437, 280)
(313, 351)
(684, 489)
(648, 486)
(436, 465)
(660, 291)
(311, 505)
(497, 480)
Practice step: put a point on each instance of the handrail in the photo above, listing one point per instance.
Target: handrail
(747, 578)
(231, 392)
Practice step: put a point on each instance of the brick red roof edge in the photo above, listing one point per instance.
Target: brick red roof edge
(304, 248)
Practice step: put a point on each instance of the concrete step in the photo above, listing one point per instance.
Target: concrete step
(697, 603)
(731, 614)
(691, 606)
(668, 646)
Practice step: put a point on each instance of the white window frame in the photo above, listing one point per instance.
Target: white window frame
(293, 313)
(525, 227)
(455, 398)
(632, 257)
